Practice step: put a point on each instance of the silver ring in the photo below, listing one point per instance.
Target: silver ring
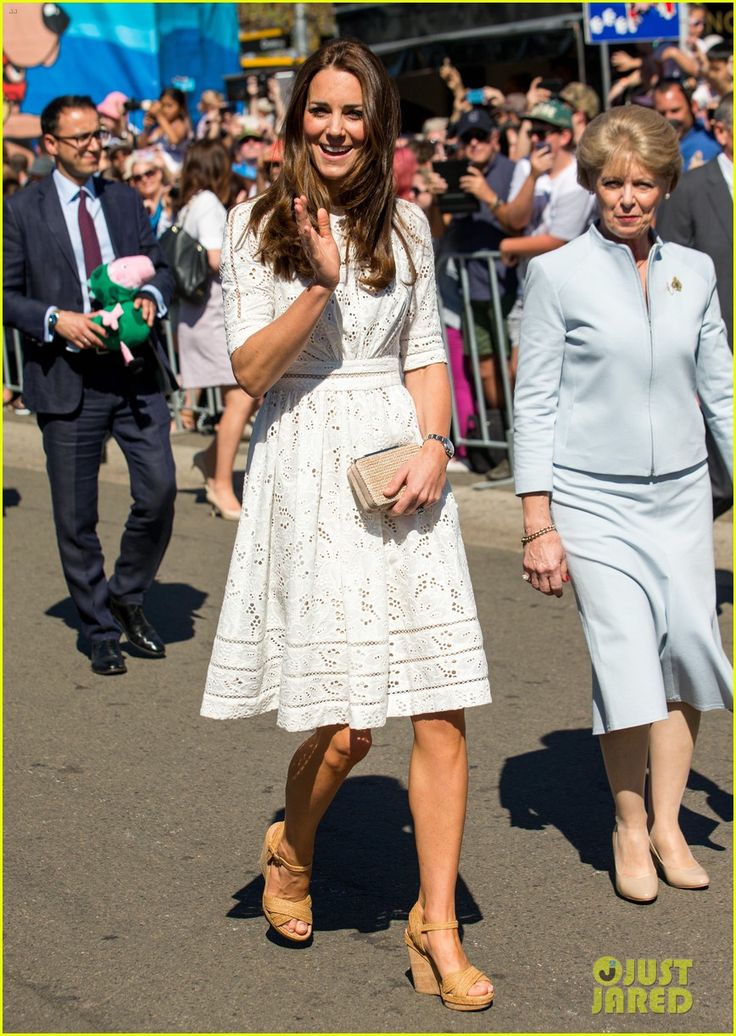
(526, 577)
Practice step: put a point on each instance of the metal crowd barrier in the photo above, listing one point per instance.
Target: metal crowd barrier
(207, 409)
(461, 260)
(12, 360)
(210, 404)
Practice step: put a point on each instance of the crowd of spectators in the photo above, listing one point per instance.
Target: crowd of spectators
(499, 174)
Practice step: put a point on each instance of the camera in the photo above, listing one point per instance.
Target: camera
(134, 105)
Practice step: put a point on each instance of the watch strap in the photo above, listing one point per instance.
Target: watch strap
(446, 443)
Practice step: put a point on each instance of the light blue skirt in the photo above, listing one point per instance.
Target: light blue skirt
(640, 556)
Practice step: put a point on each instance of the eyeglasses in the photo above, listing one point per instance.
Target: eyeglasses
(83, 140)
(144, 176)
(480, 136)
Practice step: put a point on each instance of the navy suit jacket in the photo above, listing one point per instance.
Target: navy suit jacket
(39, 270)
(700, 215)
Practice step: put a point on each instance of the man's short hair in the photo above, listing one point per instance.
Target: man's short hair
(724, 111)
(667, 82)
(718, 52)
(52, 111)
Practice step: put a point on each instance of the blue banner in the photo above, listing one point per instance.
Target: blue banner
(628, 23)
(53, 49)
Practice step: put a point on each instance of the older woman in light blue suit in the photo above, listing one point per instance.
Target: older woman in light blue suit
(623, 355)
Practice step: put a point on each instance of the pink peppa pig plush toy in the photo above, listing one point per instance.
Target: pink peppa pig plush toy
(114, 286)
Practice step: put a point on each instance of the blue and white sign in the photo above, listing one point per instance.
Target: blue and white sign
(628, 23)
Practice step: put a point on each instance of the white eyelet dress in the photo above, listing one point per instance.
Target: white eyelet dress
(332, 616)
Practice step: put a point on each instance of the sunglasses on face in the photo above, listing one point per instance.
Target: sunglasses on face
(542, 132)
(479, 136)
(147, 175)
(83, 140)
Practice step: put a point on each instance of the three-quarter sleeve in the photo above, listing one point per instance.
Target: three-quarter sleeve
(421, 340)
(714, 376)
(541, 350)
(247, 283)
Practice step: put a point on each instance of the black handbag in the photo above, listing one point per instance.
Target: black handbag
(188, 262)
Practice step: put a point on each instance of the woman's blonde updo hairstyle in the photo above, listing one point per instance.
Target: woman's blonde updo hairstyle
(616, 137)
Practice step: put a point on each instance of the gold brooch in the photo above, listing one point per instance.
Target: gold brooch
(674, 285)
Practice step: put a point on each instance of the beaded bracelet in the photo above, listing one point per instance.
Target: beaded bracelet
(539, 532)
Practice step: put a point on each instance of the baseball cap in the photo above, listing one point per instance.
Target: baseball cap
(581, 98)
(112, 105)
(249, 127)
(213, 97)
(555, 112)
(478, 119)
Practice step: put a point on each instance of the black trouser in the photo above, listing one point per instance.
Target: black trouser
(131, 409)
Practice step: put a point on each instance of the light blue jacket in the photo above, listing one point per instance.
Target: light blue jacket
(608, 385)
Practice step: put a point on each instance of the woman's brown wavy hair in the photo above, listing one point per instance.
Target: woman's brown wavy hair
(367, 195)
(206, 168)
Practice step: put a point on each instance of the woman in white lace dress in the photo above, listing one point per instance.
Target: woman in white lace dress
(337, 618)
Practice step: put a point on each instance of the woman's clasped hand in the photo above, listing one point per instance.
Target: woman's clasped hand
(545, 566)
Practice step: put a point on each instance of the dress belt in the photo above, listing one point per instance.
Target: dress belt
(340, 375)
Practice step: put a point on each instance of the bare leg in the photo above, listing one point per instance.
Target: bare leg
(625, 758)
(491, 381)
(513, 365)
(317, 769)
(220, 454)
(438, 791)
(671, 746)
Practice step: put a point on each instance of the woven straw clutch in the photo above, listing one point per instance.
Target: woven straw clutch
(369, 476)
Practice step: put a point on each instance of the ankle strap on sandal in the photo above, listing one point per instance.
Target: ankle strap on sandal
(293, 868)
(438, 926)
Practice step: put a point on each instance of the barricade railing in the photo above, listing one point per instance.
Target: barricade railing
(484, 439)
(208, 408)
(210, 404)
(12, 360)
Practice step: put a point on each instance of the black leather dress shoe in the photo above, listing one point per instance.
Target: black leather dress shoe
(107, 659)
(140, 633)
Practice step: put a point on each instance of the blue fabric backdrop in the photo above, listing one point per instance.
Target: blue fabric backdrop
(139, 48)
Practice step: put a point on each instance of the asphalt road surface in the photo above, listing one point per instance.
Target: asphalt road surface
(133, 827)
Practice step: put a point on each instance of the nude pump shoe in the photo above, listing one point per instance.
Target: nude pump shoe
(278, 911)
(680, 877)
(642, 888)
(453, 989)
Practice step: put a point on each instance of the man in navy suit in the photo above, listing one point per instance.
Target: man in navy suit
(55, 233)
(700, 215)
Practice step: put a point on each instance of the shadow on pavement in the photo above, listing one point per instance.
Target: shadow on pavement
(365, 873)
(564, 785)
(171, 608)
(11, 498)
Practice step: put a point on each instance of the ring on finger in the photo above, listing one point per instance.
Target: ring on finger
(526, 577)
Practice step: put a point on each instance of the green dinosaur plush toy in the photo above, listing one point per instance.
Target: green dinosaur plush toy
(114, 286)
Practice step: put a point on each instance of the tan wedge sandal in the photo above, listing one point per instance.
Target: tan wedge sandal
(453, 988)
(278, 911)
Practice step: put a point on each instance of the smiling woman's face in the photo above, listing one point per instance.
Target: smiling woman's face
(334, 129)
(627, 200)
